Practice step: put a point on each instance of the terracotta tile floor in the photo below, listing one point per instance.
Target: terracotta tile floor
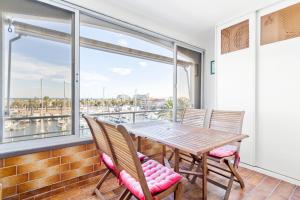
(258, 187)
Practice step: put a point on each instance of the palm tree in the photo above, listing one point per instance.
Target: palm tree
(167, 114)
(46, 101)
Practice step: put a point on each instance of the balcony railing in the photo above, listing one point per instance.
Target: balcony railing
(35, 127)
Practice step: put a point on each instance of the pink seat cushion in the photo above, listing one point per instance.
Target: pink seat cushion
(224, 151)
(141, 156)
(158, 177)
(109, 163)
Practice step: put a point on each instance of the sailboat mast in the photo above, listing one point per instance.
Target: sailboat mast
(42, 103)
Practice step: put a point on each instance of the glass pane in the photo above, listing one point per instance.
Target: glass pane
(92, 28)
(120, 88)
(188, 80)
(38, 78)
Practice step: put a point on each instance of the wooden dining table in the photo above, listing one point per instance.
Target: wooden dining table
(194, 140)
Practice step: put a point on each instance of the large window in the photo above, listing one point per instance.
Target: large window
(58, 63)
(121, 83)
(37, 67)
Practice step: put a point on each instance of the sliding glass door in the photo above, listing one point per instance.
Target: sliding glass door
(188, 79)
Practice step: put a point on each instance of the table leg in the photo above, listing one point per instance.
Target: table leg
(176, 164)
(139, 144)
(204, 178)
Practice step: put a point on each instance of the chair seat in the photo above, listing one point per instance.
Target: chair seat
(106, 159)
(159, 178)
(224, 151)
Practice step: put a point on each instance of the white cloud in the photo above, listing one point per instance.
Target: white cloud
(26, 68)
(88, 79)
(123, 42)
(121, 71)
(143, 64)
(88, 76)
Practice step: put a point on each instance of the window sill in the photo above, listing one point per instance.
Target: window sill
(33, 146)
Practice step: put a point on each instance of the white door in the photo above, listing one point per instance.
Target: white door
(278, 105)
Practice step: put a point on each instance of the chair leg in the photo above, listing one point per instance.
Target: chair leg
(228, 190)
(124, 194)
(239, 178)
(171, 156)
(128, 196)
(236, 174)
(101, 181)
(179, 191)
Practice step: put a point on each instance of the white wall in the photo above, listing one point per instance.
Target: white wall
(235, 88)
(209, 80)
(264, 80)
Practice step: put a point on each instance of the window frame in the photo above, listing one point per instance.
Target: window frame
(2, 79)
(74, 65)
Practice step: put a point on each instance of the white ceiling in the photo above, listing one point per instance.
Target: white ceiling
(182, 19)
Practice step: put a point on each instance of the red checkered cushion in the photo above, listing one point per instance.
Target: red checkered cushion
(224, 151)
(158, 177)
(109, 163)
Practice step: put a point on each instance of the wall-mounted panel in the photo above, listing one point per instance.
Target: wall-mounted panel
(281, 25)
(235, 37)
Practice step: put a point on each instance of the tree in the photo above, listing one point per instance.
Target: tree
(46, 102)
(35, 103)
(17, 103)
(183, 103)
(169, 103)
(167, 114)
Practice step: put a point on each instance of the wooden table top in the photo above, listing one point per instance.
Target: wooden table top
(191, 139)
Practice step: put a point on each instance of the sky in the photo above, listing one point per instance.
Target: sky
(101, 73)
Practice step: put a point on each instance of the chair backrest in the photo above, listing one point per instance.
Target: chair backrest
(229, 121)
(124, 153)
(98, 134)
(194, 117)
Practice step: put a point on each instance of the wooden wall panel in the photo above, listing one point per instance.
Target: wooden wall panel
(281, 25)
(235, 37)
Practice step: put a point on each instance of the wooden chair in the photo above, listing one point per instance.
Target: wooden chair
(191, 117)
(194, 117)
(232, 122)
(104, 151)
(102, 147)
(138, 178)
